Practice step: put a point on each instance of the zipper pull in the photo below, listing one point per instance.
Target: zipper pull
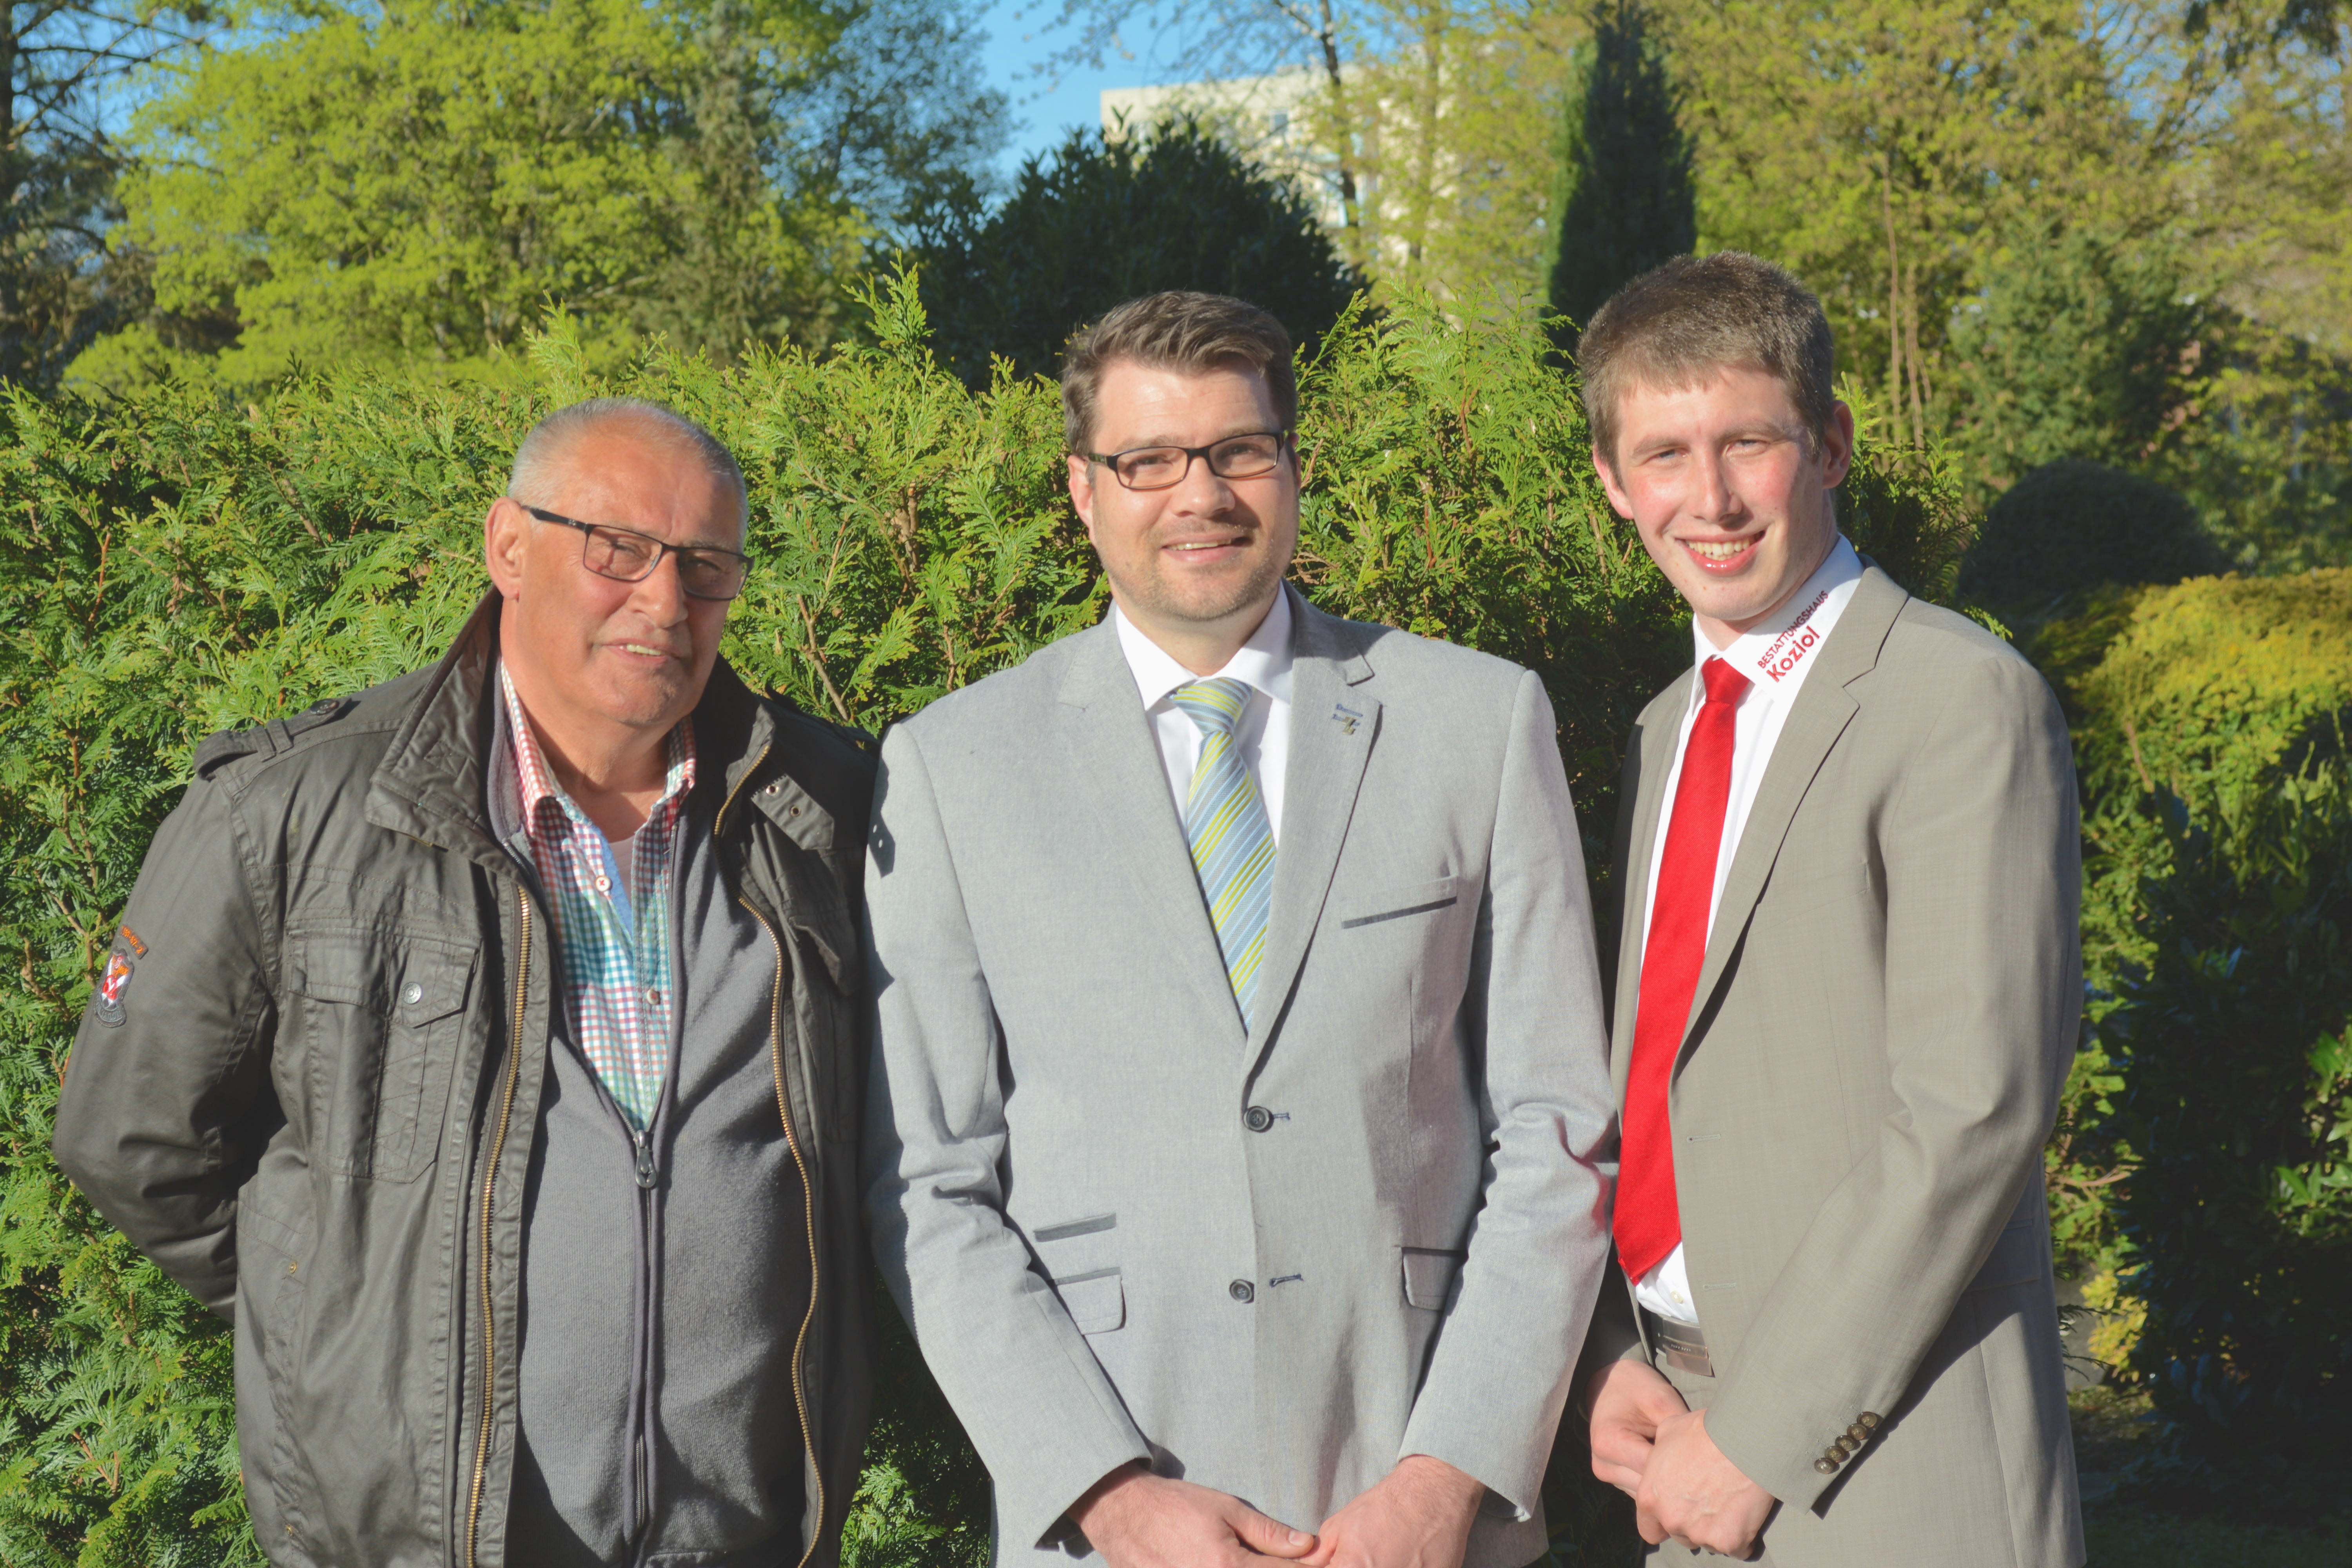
(646, 1174)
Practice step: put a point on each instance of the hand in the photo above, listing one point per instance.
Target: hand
(1628, 1402)
(1417, 1516)
(1138, 1520)
(1691, 1492)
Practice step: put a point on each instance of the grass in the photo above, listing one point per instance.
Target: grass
(2112, 1429)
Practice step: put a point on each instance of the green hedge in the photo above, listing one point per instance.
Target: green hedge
(176, 566)
(2207, 1155)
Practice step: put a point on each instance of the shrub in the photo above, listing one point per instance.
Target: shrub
(2214, 1094)
(2070, 525)
(177, 564)
(1102, 221)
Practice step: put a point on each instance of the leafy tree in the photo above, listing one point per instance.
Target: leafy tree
(57, 62)
(1627, 198)
(1102, 221)
(2079, 346)
(410, 183)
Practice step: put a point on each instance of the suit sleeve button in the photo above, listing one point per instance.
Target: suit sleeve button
(1870, 1420)
(1242, 1290)
(1257, 1118)
(1858, 1432)
(1826, 1466)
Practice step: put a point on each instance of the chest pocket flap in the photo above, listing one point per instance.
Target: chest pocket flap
(382, 1025)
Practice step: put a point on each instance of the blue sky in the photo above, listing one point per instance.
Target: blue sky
(1047, 116)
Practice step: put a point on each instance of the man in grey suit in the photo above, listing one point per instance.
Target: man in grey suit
(1237, 1116)
(1847, 993)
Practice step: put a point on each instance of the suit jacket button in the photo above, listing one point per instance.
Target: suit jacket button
(1242, 1290)
(1826, 1466)
(1257, 1118)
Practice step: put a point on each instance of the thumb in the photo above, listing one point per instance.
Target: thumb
(1269, 1537)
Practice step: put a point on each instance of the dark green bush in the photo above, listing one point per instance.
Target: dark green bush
(176, 566)
(1099, 222)
(2070, 525)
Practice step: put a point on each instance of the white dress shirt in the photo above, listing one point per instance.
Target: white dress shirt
(1264, 733)
(1775, 657)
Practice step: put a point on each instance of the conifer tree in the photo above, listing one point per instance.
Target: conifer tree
(1627, 194)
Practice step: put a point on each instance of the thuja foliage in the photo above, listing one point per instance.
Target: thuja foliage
(2207, 1155)
(176, 564)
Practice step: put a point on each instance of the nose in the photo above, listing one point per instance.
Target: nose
(1713, 499)
(1201, 491)
(661, 594)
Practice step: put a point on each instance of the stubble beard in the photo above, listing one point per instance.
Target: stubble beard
(1154, 595)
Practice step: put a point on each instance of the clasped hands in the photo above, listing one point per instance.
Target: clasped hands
(1654, 1448)
(1418, 1516)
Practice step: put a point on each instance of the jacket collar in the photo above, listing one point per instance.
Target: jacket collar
(1823, 710)
(1334, 723)
(431, 784)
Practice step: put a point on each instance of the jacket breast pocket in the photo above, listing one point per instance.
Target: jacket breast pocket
(384, 1016)
(1420, 901)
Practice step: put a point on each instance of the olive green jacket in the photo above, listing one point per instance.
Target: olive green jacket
(358, 1211)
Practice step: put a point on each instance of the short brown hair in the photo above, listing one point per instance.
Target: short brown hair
(1179, 331)
(1678, 324)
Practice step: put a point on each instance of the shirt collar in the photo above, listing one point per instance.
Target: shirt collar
(1777, 654)
(537, 784)
(1264, 661)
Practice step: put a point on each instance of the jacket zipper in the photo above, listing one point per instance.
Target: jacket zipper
(808, 1214)
(489, 1183)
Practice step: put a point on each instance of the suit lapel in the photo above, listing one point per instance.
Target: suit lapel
(1653, 756)
(1824, 708)
(1117, 763)
(1333, 723)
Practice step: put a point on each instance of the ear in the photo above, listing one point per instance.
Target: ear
(1837, 447)
(1619, 501)
(1082, 490)
(506, 534)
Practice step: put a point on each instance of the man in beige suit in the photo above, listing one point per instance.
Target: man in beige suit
(1847, 994)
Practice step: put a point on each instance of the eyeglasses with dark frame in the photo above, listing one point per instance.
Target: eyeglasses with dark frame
(1249, 455)
(628, 556)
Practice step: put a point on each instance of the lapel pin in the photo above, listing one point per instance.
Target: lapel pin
(1347, 717)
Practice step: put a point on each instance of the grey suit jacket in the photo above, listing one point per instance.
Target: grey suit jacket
(1885, 1018)
(1271, 1263)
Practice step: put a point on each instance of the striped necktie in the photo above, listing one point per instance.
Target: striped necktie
(1224, 822)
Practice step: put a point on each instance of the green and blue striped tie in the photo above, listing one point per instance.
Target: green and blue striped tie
(1233, 843)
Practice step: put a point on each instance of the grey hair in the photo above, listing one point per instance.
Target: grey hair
(539, 461)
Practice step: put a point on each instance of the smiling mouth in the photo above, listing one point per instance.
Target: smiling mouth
(1190, 545)
(643, 650)
(1720, 550)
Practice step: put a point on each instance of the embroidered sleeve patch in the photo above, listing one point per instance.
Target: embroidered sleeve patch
(111, 985)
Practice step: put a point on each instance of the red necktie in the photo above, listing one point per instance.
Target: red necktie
(1649, 1223)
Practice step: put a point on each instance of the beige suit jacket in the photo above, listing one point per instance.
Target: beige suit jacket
(1881, 1030)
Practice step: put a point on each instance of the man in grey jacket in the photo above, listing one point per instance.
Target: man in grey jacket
(481, 1045)
(1239, 1098)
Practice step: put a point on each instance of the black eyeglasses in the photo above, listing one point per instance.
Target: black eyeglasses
(628, 556)
(1246, 457)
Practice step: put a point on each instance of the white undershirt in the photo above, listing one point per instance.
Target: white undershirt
(1776, 657)
(1264, 733)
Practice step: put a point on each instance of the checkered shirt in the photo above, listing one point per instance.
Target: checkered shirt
(617, 950)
